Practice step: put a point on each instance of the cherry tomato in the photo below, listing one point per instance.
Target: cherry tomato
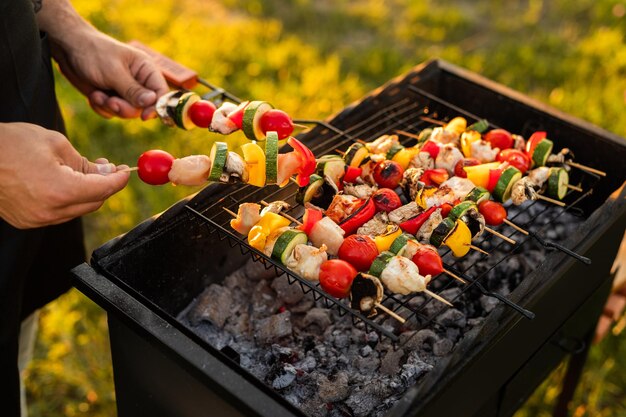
(154, 166)
(445, 209)
(432, 148)
(359, 251)
(386, 200)
(516, 158)
(428, 261)
(493, 212)
(388, 174)
(465, 162)
(336, 277)
(236, 116)
(499, 138)
(201, 113)
(277, 121)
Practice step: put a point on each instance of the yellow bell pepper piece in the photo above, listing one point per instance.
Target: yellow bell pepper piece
(255, 159)
(479, 174)
(260, 231)
(456, 125)
(383, 242)
(404, 156)
(467, 138)
(459, 240)
(421, 197)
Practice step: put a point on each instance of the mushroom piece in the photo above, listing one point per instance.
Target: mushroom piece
(235, 168)
(276, 207)
(366, 292)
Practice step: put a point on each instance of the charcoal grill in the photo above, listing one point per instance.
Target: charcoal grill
(145, 278)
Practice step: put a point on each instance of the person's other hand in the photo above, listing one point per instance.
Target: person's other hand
(118, 80)
(46, 181)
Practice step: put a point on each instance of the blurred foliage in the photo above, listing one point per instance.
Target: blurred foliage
(311, 58)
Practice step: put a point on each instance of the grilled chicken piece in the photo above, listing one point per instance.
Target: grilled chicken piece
(559, 158)
(411, 183)
(271, 240)
(383, 144)
(342, 206)
(376, 226)
(404, 212)
(448, 156)
(444, 137)
(367, 173)
(276, 207)
(539, 176)
(306, 260)
(423, 234)
(401, 276)
(359, 190)
(523, 190)
(220, 122)
(247, 216)
(190, 170)
(422, 160)
(444, 194)
(327, 232)
(519, 143)
(459, 186)
(482, 150)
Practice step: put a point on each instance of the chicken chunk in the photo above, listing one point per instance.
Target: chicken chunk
(359, 190)
(401, 276)
(483, 151)
(327, 232)
(459, 186)
(424, 232)
(539, 176)
(447, 158)
(405, 212)
(376, 226)
(247, 216)
(383, 144)
(422, 160)
(306, 260)
(190, 170)
(444, 137)
(221, 123)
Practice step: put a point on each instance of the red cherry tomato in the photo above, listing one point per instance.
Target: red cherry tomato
(154, 166)
(201, 113)
(493, 212)
(359, 251)
(336, 277)
(465, 162)
(432, 148)
(499, 138)
(428, 261)
(277, 121)
(386, 200)
(516, 158)
(388, 174)
(236, 116)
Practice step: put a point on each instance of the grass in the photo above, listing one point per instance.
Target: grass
(311, 58)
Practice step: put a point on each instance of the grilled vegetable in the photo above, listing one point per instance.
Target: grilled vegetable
(313, 190)
(359, 217)
(366, 292)
(479, 174)
(336, 277)
(181, 113)
(388, 174)
(154, 167)
(251, 123)
(441, 232)
(201, 113)
(516, 158)
(461, 209)
(493, 212)
(218, 155)
(459, 240)
(271, 158)
(255, 160)
(467, 138)
(557, 182)
(386, 200)
(278, 121)
(332, 167)
(380, 263)
(428, 260)
(456, 125)
(395, 148)
(360, 251)
(480, 126)
(478, 195)
(502, 190)
(165, 106)
(262, 229)
(384, 241)
(310, 218)
(412, 225)
(286, 243)
(541, 152)
(356, 154)
(399, 245)
(499, 138)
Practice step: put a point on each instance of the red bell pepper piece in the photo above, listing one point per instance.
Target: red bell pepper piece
(414, 223)
(434, 176)
(352, 173)
(307, 161)
(534, 139)
(236, 116)
(311, 216)
(431, 147)
(445, 209)
(359, 217)
(494, 176)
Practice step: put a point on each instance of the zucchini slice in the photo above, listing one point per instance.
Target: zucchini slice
(399, 244)
(182, 118)
(271, 157)
(311, 191)
(355, 154)
(286, 243)
(460, 209)
(442, 231)
(395, 148)
(542, 152)
(218, 155)
(380, 263)
(480, 126)
(251, 122)
(558, 179)
(478, 195)
(332, 168)
(504, 186)
(424, 135)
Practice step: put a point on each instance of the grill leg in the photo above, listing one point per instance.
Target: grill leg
(572, 378)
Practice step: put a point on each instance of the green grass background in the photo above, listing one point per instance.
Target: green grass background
(311, 58)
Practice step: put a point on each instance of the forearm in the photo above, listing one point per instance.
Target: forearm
(64, 25)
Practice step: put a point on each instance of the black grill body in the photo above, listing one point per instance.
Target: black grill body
(146, 277)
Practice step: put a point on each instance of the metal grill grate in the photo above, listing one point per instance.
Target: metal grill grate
(410, 113)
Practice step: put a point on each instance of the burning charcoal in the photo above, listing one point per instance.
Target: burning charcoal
(303, 306)
(255, 270)
(442, 347)
(284, 378)
(307, 364)
(319, 317)
(363, 400)
(452, 318)
(264, 298)
(287, 292)
(334, 389)
(274, 327)
(414, 368)
(488, 303)
(214, 305)
(366, 365)
(365, 351)
(236, 280)
(417, 340)
(390, 363)
(340, 339)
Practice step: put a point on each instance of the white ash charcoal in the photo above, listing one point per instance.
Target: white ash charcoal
(372, 338)
(313, 408)
(364, 399)
(367, 365)
(452, 318)
(255, 270)
(239, 324)
(340, 339)
(442, 347)
(285, 378)
(237, 279)
(288, 293)
(365, 351)
(264, 298)
(414, 368)
(476, 321)
(453, 334)
(334, 389)
(213, 305)
(418, 340)
(282, 353)
(274, 327)
(488, 303)
(307, 364)
(303, 306)
(390, 363)
(319, 317)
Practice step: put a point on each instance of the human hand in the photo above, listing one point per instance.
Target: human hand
(118, 79)
(46, 181)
